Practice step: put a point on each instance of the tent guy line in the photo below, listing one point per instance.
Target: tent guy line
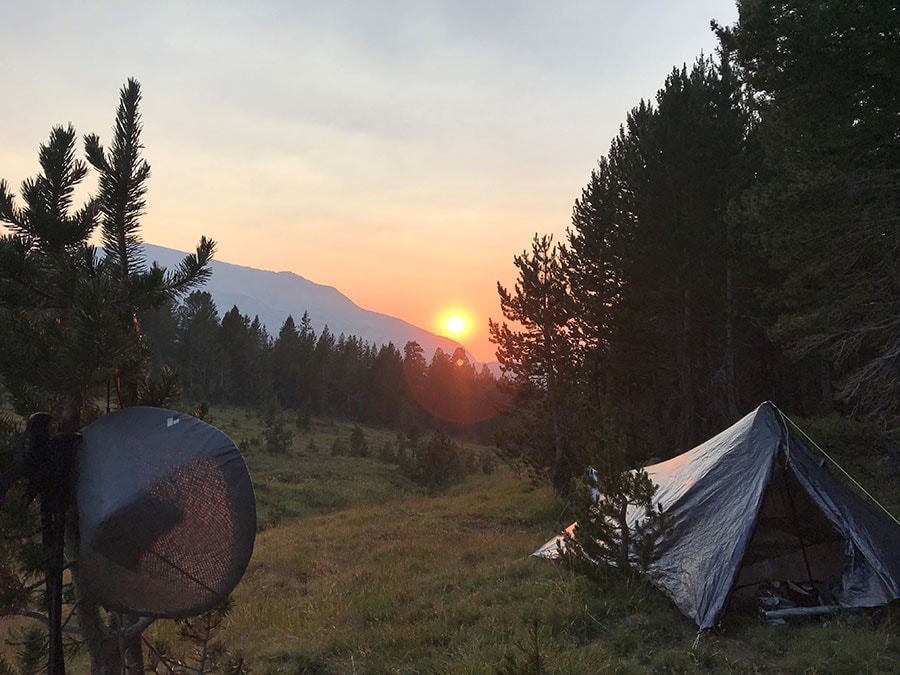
(831, 459)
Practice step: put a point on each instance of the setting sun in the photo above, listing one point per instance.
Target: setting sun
(456, 324)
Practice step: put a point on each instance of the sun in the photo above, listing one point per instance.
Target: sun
(456, 324)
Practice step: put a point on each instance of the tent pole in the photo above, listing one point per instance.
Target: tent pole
(790, 500)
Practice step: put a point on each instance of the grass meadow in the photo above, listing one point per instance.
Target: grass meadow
(358, 570)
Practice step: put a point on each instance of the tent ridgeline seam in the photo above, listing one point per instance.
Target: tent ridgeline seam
(834, 461)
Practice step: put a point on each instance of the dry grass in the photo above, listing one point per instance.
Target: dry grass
(446, 585)
(356, 570)
(415, 585)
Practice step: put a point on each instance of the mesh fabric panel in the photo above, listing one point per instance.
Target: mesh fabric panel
(173, 535)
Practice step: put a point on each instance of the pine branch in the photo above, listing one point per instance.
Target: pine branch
(122, 185)
(193, 271)
(45, 220)
(62, 171)
(9, 213)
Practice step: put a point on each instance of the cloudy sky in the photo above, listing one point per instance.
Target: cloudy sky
(401, 151)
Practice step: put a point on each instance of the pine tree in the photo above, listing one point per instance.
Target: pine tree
(387, 397)
(538, 358)
(306, 347)
(286, 365)
(323, 368)
(199, 347)
(68, 315)
(824, 79)
(618, 524)
(236, 348)
(653, 266)
(260, 355)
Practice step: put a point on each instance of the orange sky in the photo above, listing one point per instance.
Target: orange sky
(401, 152)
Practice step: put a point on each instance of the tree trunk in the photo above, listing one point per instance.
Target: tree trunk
(826, 385)
(730, 348)
(623, 560)
(558, 476)
(686, 434)
(118, 657)
(106, 661)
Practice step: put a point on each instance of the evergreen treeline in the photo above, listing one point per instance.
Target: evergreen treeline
(236, 361)
(738, 242)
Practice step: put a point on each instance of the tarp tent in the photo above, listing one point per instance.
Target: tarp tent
(756, 503)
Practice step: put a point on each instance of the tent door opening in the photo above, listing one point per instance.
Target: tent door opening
(795, 554)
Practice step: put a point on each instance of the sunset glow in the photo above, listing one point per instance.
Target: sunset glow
(403, 167)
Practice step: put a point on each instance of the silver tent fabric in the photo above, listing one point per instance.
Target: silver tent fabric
(711, 495)
(167, 515)
(755, 501)
(872, 540)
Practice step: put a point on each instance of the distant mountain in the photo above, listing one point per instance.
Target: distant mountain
(274, 295)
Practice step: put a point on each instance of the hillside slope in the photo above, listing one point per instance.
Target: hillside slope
(273, 296)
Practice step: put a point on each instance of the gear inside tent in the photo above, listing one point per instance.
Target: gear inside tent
(166, 512)
(755, 509)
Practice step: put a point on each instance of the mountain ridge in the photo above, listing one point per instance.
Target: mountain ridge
(273, 296)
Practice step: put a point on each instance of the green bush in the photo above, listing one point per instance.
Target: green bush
(303, 420)
(440, 462)
(277, 437)
(387, 452)
(339, 447)
(359, 446)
